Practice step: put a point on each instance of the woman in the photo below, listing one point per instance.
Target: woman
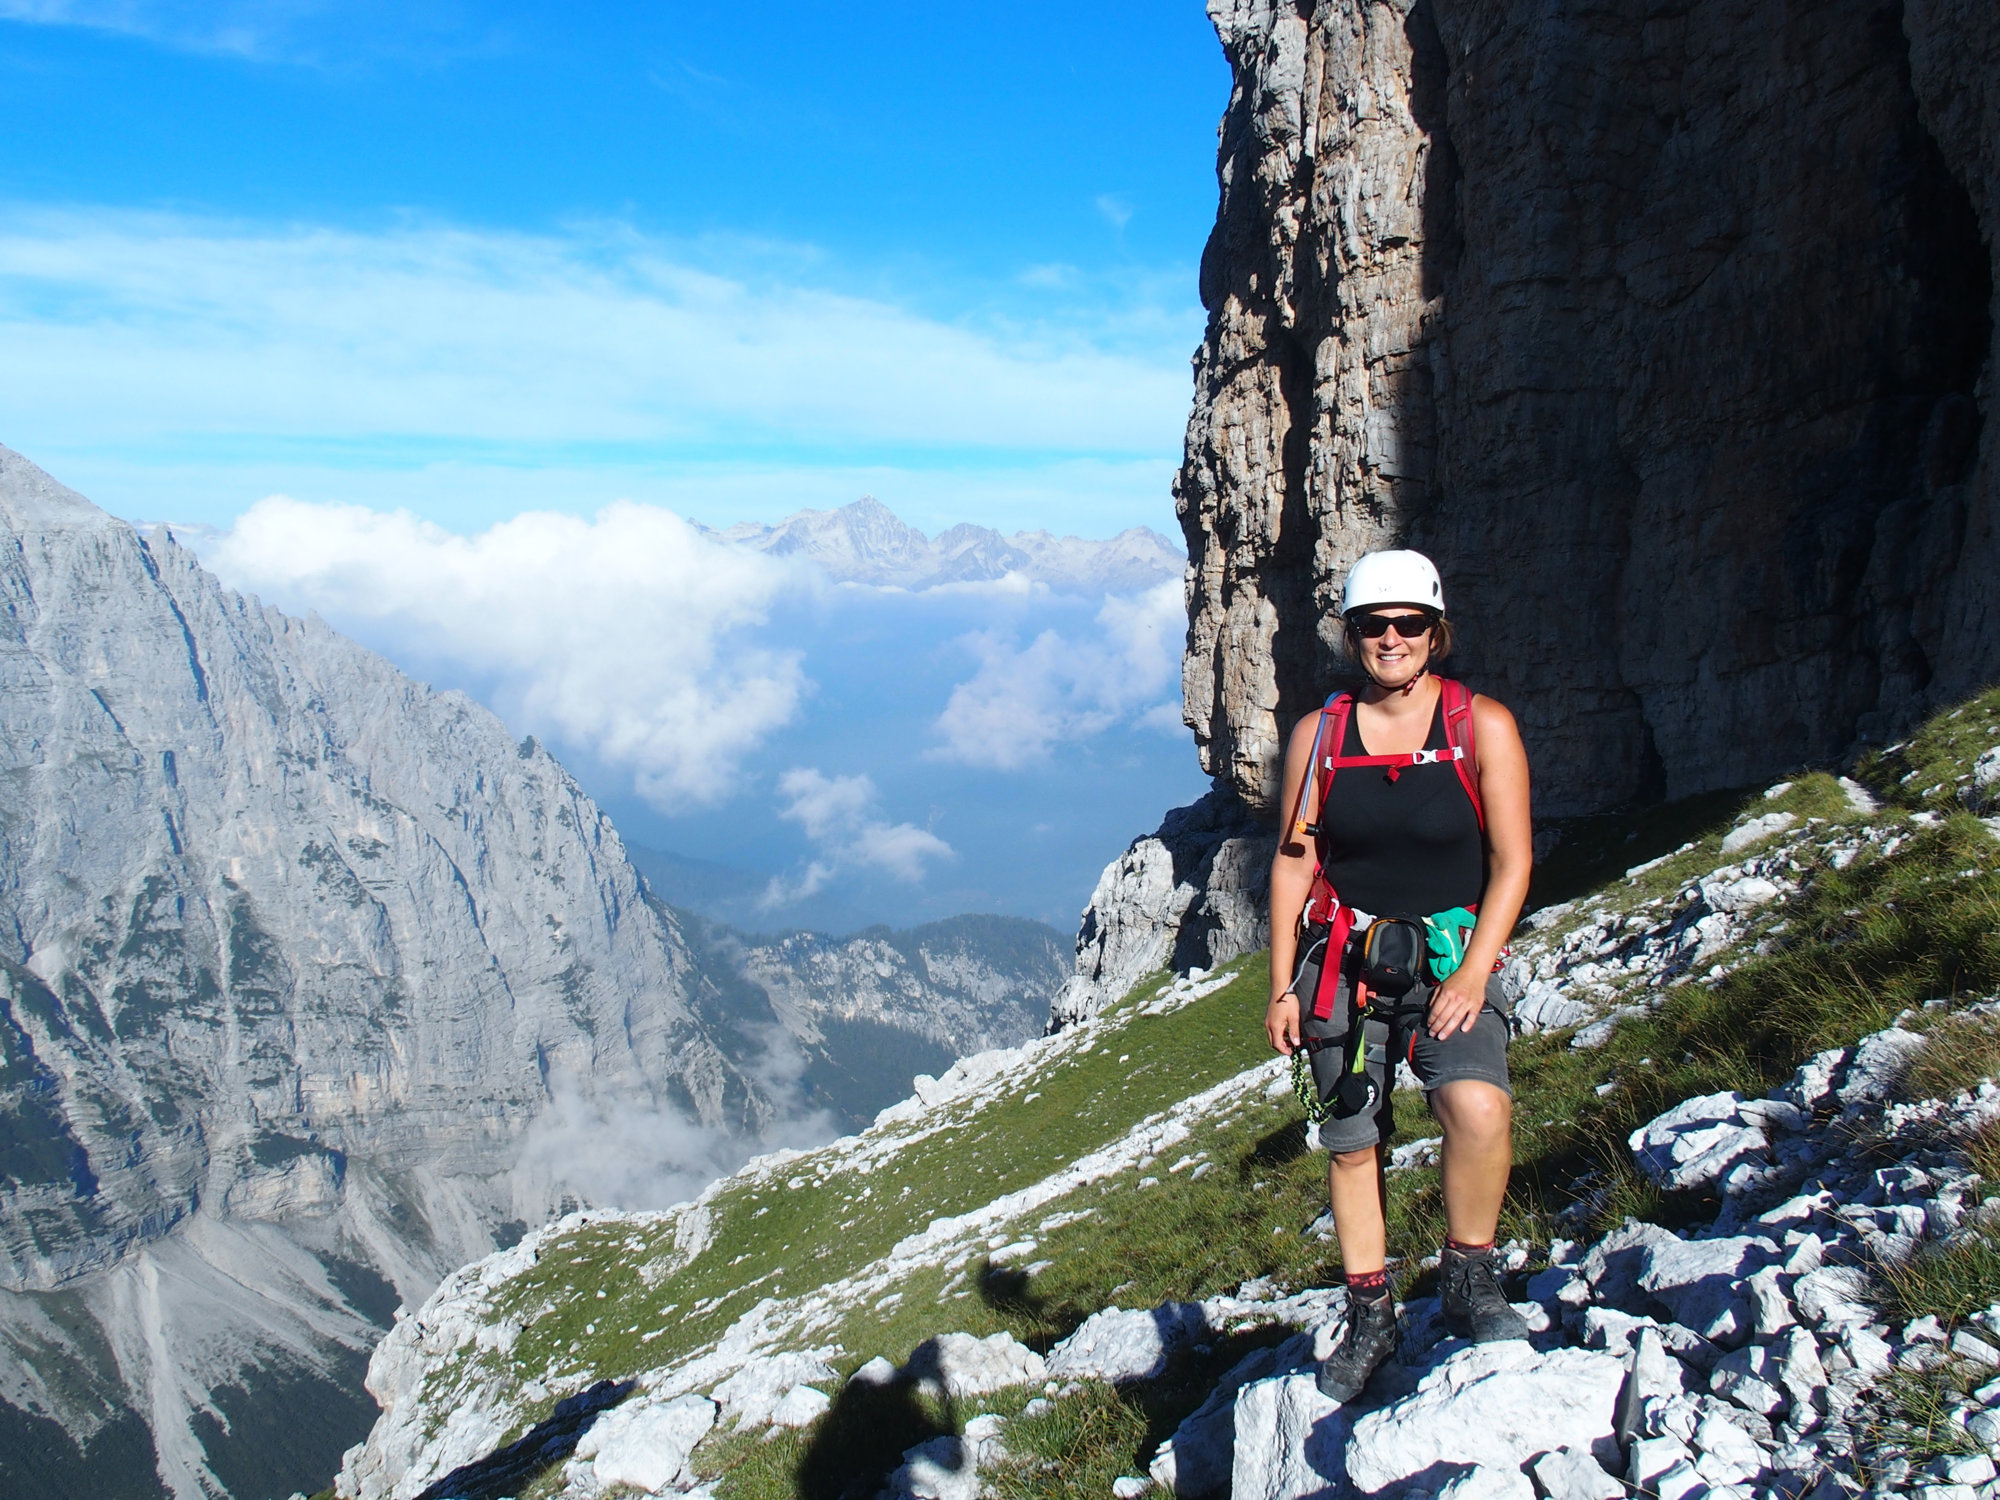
(1390, 833)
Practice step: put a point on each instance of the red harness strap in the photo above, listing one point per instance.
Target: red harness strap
(1323, 904)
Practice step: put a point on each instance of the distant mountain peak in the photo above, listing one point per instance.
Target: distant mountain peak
(866, 542)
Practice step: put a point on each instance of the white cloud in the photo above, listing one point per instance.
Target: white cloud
(1024, 700)
(287, 31)
(838, 815)
(128, 328)
(623, 633)
(624, 1153)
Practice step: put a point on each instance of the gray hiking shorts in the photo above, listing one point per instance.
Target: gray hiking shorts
(1480, 1053)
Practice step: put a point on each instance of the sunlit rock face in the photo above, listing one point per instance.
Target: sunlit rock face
(293, 952)
(1663, 333)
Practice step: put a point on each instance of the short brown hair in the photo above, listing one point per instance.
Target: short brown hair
(1442, 636)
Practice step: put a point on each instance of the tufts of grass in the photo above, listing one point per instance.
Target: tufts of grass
(1958, 1052)
(1077, 1447)
(1949, 1279)
(1934, 766)
(1982, 1149)
(1911, 1415)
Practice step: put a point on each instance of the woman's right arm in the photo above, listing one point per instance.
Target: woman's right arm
(1291, 883)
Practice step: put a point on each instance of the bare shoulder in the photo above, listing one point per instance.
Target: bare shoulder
(1495, 725)
(1491, 713)
(1492, 721)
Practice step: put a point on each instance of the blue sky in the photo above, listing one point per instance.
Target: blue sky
(472, 259)
(443, 273)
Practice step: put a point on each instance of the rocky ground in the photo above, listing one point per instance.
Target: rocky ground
(1783, 1283)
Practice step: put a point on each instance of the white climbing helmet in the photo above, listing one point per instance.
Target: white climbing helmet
(1393, 578)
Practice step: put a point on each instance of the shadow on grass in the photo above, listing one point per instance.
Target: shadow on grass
(861, 1440)
(1596, 849)
(1005, 1290)
(1280, 1148)
(510, 1470)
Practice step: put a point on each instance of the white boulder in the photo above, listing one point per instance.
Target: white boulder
(755, 1392)
(947, 1468)
(1703, 1283)
(877, 1371)
(960, 1365)
(1728, 1453)
(1118, 1346)
(1198, 1458)
(1697, 1141)
(801, 1407)
(1491, 1404)
(1739, 895)
(1289, 1440)
(1484, 1483)
(1877, 1063)
(1755, 831)
(1570, 1474)
(1750, 1378)
(1986, 770)
(645, 1445)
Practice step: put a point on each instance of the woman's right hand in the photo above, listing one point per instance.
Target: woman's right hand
(1281, 1023)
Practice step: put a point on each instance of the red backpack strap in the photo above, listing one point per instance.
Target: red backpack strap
(1459, 734)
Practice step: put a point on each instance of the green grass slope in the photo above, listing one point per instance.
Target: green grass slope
(1156, 1153)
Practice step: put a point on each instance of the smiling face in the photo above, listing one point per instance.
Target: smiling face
(1391, 659)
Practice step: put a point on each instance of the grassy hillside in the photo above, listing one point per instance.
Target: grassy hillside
(1156, 1153)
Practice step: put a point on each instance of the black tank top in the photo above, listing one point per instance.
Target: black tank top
(1408, 847)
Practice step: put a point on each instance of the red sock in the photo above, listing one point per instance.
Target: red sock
(1369, 1286)
(1464, 1249)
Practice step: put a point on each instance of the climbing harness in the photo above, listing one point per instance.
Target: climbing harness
(1323, 904)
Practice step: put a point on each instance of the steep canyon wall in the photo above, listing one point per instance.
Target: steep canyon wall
(1663, 328)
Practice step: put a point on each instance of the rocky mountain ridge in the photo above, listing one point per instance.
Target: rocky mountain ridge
(874, 1009)
(866, 542)
(299, 951)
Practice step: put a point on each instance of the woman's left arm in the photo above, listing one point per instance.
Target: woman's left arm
(1510, 859)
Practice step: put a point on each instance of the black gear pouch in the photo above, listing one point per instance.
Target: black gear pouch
(1395, 953)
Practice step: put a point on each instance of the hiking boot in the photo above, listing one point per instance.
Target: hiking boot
(1473, 1301)
(1371, 1337)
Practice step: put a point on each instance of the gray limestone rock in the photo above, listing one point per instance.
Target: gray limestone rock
(298, 952)
(1571, 1474)
(1661, 332)
(1490, 1404)
(1192, 895)
(1703, 1283)
(1118, 1346)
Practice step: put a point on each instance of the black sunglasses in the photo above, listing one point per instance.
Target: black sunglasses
(1409, 627)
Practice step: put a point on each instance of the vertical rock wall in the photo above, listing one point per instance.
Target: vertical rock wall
(1663, 331)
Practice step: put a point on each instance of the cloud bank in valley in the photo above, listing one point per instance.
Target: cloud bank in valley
(628, 634)
(674, 657)
(1025, 700)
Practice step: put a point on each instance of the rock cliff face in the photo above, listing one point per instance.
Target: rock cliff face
(1665, 332)
(295, 950)
(1190, 896)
